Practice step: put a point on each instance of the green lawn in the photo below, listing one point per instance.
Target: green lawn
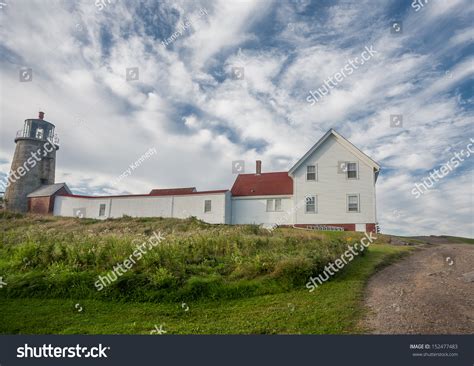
(333, 308)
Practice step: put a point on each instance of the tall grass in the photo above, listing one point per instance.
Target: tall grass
(52, 257)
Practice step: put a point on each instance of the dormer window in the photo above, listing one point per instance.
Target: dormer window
(311, 172)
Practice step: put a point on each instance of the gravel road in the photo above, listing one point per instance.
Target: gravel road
(429, 292)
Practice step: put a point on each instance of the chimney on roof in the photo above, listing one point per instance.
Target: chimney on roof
(258, 169)
(41, 115)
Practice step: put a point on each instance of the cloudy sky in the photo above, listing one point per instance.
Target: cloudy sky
(228, 80)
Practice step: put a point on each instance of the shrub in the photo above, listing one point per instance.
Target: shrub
(8, 215)
(198, 287)
(293, 271)
(162, 278)
(253, 229)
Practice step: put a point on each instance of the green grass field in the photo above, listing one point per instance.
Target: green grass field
(202, 279)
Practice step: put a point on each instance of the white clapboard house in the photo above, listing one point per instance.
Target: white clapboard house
(331, 186)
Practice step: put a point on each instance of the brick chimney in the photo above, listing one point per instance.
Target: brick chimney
(258, 169)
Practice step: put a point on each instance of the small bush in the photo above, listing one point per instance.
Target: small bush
(8, 215)
(252, 229)
(293, 271)
(163, 278)
(198, 287)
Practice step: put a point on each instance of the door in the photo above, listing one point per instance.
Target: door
(360, 227)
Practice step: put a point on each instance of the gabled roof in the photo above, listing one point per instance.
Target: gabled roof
(172, 191)
(345, 143)
(49, 190)
(265, 184)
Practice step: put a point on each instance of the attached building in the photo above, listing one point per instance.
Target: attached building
(42, 200)
(209, 206)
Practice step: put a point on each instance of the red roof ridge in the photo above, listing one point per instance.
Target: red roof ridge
(143, 195)
(171, 191)
(114, 196)
(264, 173)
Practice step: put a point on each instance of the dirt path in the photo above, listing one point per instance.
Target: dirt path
(430, 292)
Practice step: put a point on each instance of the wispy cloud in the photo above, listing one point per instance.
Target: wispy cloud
(186, 103)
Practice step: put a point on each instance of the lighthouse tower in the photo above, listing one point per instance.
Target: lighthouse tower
(34, 162)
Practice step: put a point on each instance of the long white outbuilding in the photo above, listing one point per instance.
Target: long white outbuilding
(179, 206)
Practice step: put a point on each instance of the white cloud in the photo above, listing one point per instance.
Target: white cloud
(199, 119)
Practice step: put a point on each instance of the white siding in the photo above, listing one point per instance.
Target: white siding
(193, 205)
(228, 208)
(146, 206)
(66, 206)
(140, 206)
(332, 188)
(253, 210)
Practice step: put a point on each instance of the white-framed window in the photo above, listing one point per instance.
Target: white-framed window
(353, 203)
(102, 209)
(277, 204)
(311, 173)
(207, 205)
(311, 204)
(352, 171)
(274, 205)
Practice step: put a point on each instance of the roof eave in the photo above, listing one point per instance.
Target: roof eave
(309, 152)
(59, 186)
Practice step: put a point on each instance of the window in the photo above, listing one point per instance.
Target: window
(353, 203)
(269, 205)
(311, 172)
(274, 205)
(207, 206)
(278, 204)
(39, 133)
(311, 204)
(102, 209)
(351, 170)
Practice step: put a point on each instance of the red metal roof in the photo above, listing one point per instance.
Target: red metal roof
(144, 195)
(203, 192)
(172, 191)
(265, 184)
(118, 196)
(214, 191)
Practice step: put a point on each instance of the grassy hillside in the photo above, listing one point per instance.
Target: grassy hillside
(457, 239)
(240, 276)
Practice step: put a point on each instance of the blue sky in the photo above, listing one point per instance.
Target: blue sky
(188, 106)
